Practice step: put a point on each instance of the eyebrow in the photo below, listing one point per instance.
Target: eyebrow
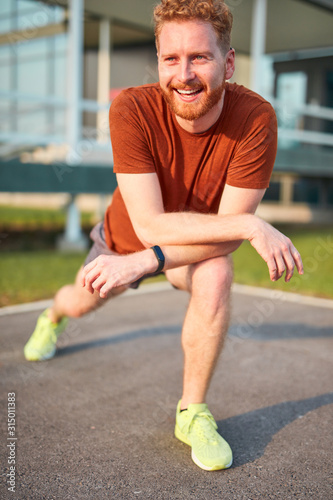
(194, 53)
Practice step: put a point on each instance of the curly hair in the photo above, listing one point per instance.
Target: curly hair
(215, 12)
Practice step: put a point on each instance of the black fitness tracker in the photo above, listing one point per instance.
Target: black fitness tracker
(160, 258)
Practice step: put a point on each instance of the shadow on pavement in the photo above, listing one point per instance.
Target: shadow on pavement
(250, 433)
(116, 339)
(243, 331)
(279, 331)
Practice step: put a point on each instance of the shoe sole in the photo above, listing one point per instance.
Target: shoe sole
(179, 435)
(46, 357)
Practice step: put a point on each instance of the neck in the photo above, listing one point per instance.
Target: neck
(204, 122)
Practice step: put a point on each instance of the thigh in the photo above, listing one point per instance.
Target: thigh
(180, 277)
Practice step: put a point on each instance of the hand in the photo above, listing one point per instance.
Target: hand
(277, 251)
(110, 271)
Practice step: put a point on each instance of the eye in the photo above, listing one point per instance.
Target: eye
(199, 57)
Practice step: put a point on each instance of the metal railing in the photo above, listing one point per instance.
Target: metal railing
(57, 103)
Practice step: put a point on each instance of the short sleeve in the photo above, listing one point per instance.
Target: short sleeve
(131, 153)
(254, 156)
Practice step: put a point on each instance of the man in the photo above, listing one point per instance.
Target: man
(193, 156)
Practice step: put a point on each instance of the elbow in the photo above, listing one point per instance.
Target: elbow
(146, 236)
(153, 232)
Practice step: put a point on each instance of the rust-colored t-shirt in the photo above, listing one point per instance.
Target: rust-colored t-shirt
(239, 150)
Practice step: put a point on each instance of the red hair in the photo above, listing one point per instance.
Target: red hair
(215, 12)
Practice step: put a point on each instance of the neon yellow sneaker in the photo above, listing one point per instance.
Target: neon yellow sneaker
(42, 343)
(197, 428)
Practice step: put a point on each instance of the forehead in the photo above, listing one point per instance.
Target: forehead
(187, 35)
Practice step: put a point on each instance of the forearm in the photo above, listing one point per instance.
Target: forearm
(187, 228)
(183, 255)
(111, 271)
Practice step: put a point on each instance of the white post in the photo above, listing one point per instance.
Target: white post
(73, 238)
(258, 42)
(75, 75)
(103, 79)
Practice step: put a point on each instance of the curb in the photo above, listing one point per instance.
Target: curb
(269, 293)
(266, 293)
(43, 304)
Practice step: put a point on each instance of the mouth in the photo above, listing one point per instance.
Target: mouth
(188, 94)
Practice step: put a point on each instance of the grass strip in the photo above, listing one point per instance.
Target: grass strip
(37, 275)
(316, 249)
(18, 218)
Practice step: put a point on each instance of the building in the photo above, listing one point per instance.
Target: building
(63, 61)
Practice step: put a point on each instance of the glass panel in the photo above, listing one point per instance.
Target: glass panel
(26, 5)
(59, 122)
(6, 7)
(5, 58)
(60, 75)
(32, 77)
(291, 91)
(34, 14)
(32, 120)
(5, 82)
(33, 49)
(5, 112)
(61, 42)
(5, 25)
(58, 14)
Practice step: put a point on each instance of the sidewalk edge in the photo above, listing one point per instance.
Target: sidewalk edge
(266, 293)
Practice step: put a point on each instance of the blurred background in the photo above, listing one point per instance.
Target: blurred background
(61, 64)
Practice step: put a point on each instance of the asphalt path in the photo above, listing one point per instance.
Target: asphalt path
(97, 421)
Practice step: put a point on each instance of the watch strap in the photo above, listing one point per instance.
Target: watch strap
(160, 258)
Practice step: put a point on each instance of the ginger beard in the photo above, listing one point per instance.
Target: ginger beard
(191, 111)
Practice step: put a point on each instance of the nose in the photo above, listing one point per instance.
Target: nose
(185, 71)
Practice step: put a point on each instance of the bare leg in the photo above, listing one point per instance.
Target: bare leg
(206, 322)
(74, 301)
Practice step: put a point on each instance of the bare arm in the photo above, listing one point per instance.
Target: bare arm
(143, 199)
(234, 201)
(107, 272)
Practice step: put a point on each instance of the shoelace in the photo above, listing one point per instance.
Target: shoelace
(205, 426)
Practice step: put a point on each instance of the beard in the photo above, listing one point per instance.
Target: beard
(193, 110)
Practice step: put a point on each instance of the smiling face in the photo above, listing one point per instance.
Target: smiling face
(192, 72)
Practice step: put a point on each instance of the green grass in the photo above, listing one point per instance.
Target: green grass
(16, 218)
(36, 275)
(316, 249)
(30, 276)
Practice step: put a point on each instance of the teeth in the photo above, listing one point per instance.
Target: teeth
(188, 92)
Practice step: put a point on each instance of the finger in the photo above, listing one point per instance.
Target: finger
(290, 266)
(104, 291)
(98, 283)
(83, 277)
(272, 267)
(91, 277)
(87, 268)
(281, 266)
(298, 260)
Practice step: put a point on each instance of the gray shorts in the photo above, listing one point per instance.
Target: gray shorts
(100, 247)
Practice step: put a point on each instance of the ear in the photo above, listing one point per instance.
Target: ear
(229, 64)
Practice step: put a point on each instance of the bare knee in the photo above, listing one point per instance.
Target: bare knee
(211, 282)
(215, 273)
